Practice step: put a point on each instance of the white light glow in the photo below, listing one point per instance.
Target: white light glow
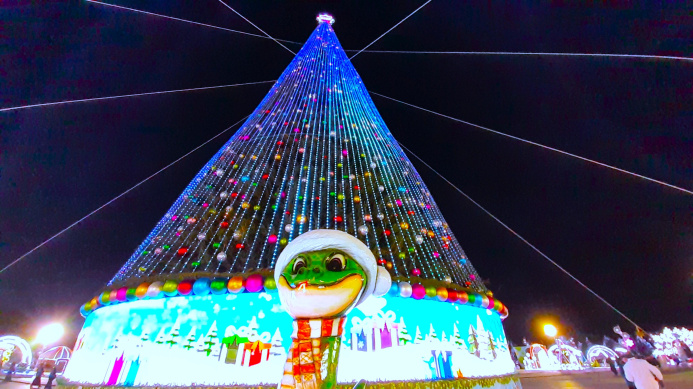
(550, 330)
(50, 334)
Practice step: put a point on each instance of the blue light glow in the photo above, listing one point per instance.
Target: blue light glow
(314, 154)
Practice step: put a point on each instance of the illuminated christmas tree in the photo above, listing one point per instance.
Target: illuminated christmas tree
(314, 154)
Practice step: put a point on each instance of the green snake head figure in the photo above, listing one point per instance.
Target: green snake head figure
(321, 275)
(325, 273)
(321, 284)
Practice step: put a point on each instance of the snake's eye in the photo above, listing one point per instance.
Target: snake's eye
(299, 264)
(336, 262)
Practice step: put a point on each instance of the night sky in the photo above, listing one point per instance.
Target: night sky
(630, 240)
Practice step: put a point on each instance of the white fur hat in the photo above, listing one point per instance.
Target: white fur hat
(334, 239)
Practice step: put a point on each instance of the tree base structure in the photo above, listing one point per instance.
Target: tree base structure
(230, 340)
(503, 382)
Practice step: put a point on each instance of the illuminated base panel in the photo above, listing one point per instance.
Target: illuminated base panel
(242, 339)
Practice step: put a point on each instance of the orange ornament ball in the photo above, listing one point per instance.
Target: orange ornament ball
(235, 284)
(442, 293)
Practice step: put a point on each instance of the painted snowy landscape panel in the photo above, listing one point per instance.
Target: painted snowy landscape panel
(241, 339)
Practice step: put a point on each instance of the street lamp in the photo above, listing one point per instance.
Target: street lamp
(551, 331)
(50, 333)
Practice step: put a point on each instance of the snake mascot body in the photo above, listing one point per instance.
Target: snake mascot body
(321, 275)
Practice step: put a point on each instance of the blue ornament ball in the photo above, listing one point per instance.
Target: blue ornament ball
(201, 287)
(394, 289)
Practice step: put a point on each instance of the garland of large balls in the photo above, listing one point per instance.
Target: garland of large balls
(256, 283)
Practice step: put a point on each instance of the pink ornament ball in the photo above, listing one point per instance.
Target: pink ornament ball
(272, 239)
(416, 272)
(418, 291)
(113, 296)
(254, 283)
(122, 294)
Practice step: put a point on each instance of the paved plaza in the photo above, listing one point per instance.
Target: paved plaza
(673, 379)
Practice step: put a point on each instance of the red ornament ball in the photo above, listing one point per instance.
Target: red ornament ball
(182, 251)
(452, 295)
(418, 291)
(185, 287)
(381, 261)
(254, 283)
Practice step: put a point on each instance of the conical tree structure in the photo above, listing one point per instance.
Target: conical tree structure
(314, 154)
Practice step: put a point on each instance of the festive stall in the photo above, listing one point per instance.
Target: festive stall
(197, 303)
(598, 355)
(673, 346)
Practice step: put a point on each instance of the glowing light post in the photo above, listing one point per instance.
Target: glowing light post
(49, 334)
(551, 331)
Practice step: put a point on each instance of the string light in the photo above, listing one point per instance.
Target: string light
(314, 154)
(186, 21)
(540, 145)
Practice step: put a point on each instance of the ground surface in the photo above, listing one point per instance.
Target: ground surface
(673, 379)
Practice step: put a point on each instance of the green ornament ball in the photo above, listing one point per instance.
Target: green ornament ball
(170, 288)
(218, 285)
(431, 291)
(270, 284)
(131, 294)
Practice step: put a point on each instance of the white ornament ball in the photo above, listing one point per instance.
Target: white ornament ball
(154, 289)
(201, 236)
(405, 289)
(448, 279)
(373, 165)
(289, 228)
(381, 216)
(224, 195)
(381, 188)
(220, 172)
(363, 230)
(419, 239)
(221, 256)
(237, 235)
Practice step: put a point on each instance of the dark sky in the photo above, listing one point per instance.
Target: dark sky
(630, 240)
